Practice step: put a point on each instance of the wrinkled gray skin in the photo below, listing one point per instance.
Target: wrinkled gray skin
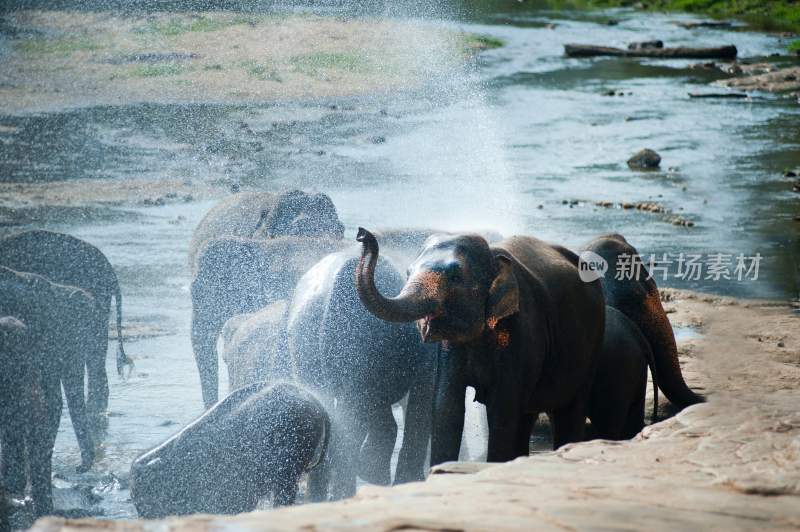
(257, 441)
(616, 407)
(639, 299)
(341, 351)
(252, 342)
(247, 252)
(67, 260)
(514, 321)
(43, 336)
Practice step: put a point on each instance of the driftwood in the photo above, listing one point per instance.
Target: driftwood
(704, 24)
(590, 50)
(717, 95)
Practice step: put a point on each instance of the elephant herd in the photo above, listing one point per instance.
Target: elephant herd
(321, 338)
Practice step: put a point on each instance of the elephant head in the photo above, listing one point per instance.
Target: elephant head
(296, 213)
(456, 288)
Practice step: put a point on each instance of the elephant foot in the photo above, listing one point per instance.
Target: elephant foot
(98, 422)
(86, 463)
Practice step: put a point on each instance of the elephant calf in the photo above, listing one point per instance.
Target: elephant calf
(257, 441)
(42, 337)
(616, 407)
(250, 343)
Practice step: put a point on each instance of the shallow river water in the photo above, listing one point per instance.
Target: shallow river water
(511, 144)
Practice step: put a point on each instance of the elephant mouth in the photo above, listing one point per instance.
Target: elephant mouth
(428, 327)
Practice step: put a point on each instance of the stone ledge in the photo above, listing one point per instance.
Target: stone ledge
(730, 464)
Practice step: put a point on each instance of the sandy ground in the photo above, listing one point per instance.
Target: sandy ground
(732, 463)
(64, 59)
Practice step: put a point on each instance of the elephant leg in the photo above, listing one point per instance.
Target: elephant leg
(375, 457)
(97, 348)
(569, 422)
(12, 458)
(72, 379)
(347, 438)
(416, 428)
(448, 409)
(285, 490)
(319, 478)
(504, 429)
(205, 330)
(524, 434)
(634, 421)
(42, 439)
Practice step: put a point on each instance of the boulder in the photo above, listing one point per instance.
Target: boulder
(645, 159)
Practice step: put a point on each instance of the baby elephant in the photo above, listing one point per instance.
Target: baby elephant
(257, 441)
(616, 407)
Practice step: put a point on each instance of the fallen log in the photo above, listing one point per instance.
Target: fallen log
(590, 50)
(718, 95)
(690, 25)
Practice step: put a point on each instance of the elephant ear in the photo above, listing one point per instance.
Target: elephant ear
(503, 300)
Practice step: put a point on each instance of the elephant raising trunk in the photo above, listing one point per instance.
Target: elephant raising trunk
(406, 306)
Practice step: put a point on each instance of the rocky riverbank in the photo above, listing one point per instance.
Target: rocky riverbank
(732, 463)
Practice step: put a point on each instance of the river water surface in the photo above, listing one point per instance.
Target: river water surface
(524, 140)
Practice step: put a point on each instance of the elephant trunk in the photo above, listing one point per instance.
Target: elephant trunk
(407, 306)
(655, 326)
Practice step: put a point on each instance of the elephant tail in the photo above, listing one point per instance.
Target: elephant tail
(655, 326)
(122, 359)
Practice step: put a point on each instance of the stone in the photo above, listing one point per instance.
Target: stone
(645, 159)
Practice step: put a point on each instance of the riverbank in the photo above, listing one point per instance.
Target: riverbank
(54, 60)
(767, 15)
(731, 463)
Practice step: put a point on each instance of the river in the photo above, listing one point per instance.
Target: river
(522, 140)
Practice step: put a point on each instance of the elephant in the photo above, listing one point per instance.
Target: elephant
(70, 261)
(247, 252)
(257, 441)
(513, 320)
(251, 343)
(362, 365)
(616, 407)
(43, 335)
(639, 299)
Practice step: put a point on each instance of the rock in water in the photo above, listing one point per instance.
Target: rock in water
(645, 159)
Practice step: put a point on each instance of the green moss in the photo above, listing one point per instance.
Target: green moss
(152, 71)
(794, 47)
(314, 62)
(60, 46)
(473, 42)
(179, 25)
(262, 71)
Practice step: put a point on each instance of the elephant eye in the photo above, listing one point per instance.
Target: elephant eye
(454, 275)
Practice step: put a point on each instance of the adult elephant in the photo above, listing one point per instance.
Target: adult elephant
(515, 322)
(247, 252)
(362, 365)
(257, 441)
(42, 347)
(67, 260)
(636, 295)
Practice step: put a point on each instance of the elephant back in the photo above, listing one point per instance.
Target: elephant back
(336, 345)
(61, 258)
(239, 215)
